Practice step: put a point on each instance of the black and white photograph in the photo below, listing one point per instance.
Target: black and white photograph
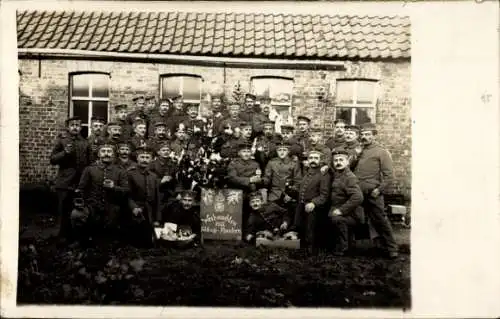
(203, 156)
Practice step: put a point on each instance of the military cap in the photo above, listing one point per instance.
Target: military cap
(112, 123)
(72, 119)
(121, 106)
(315, 130)
(337, 121)
(191, 105)
(251, 96)
(169, 101)
(244, 145)
(150, 97)
(160, 123)
(123, 144)
(97, 119)
(163, 145)
(138, 97)
(177, 97)
(143, 150)
(255, 195)
(265, 98)
(315, 151)
(243, 124)
(282, 143)
(234, 104)
(217, 95)
(352, 128)
(139, 121)
(188, 193)
(368, 127)
(303, 118)
(340, 151)
(106, 145)
(268, 122)
(287, 128)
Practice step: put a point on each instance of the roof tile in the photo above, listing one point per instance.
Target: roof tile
(251, 34)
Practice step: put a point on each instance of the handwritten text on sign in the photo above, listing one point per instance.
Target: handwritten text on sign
(221, 214)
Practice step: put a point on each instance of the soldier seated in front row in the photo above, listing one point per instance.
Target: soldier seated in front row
(346, 199)
(184, 213)
(144, 199)
(265, 219)
(102, 187)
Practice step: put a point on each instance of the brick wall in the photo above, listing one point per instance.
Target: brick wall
(44, 102)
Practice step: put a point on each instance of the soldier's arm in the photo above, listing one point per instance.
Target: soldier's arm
(386, 170)
(131, 202)
(355, 196)
(324, 190)
(234, 178)
(122, 188)
(268, 174)
(85, 181)
(296, 174)
(58, 154)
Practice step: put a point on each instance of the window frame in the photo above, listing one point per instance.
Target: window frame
(353, 106)
(276, 105)
(181, 86)
(89, 98)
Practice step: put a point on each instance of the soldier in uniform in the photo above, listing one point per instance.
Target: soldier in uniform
(165, 169)
(161, 114)
(232, 121)
(266, 144)
(178, 113)
(315, 142)
(314, 192)
(139, 139)
(114, 134)
(160, 135)
(219, 112)
(278, 171)
(346, 199)
(144, 199)
(301, 136)
(150, 104)
(246, 114)
(121, 114)
(352, 145)
(296, 150)
(259, 118)
(230, 149)
(183, 144)
(139, 112)
(244, 173)
(96, 138)
(338, 140)
(374, 171)
(71, 153)
(265, 217)
(195, 125)
(123, 158)
(184, 213)
(103, 187)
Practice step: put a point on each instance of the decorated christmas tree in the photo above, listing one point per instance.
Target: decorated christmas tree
(238, 93)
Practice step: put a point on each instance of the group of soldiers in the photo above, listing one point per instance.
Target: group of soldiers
(138, 171)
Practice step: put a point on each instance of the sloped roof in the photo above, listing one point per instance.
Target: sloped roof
(218, 34)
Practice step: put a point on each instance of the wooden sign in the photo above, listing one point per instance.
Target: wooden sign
(221, 214)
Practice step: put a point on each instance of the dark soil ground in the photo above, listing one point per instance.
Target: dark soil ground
(217, 274)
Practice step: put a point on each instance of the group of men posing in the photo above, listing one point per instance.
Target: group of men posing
(126, 172)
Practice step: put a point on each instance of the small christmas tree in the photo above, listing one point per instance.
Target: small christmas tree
(238, 93)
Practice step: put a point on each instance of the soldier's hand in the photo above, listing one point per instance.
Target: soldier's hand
(375, 193)
(255, 179)
(358, 150)
(287, 198)
(324, 169)
(284, 226)
(68, 148)
(108, 183)
(335, 212)
(166, 179)
(137, 211)
(309, 207)
(178, 197)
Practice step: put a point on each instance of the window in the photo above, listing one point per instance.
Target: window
(189, 86)
(355, 100)
(280, 90)
(89, 96)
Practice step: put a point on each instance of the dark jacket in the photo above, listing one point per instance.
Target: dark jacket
(315, 187)
(94, 142)
(374, 168)
(93, 191)
(277, 172)
(144, 192)
(346, 194)
(239, 173)
(175, 213)
(70, 165)
(127, 129)
(335, 142)
(125, 165)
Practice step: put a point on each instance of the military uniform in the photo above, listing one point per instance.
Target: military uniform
(164, 167)
(258, 119)
(354, 149)
(104, 203)
(71, 166)
(231, 147)
(137, 142)
(94, 143)
(266, 149)
(315, 188)
(175, 213)
(139, 113)
(127, 129)
(269, 217)
(374, 170)
(125, 164)
(228, 122)
(157, 117)
(278, 172)
(347, 197)
(335, 142)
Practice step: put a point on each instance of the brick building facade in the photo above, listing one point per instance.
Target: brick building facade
(47, 78)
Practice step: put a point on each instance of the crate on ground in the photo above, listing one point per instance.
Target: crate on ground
(280, 242)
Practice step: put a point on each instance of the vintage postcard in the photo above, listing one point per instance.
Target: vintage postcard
(232, 159)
